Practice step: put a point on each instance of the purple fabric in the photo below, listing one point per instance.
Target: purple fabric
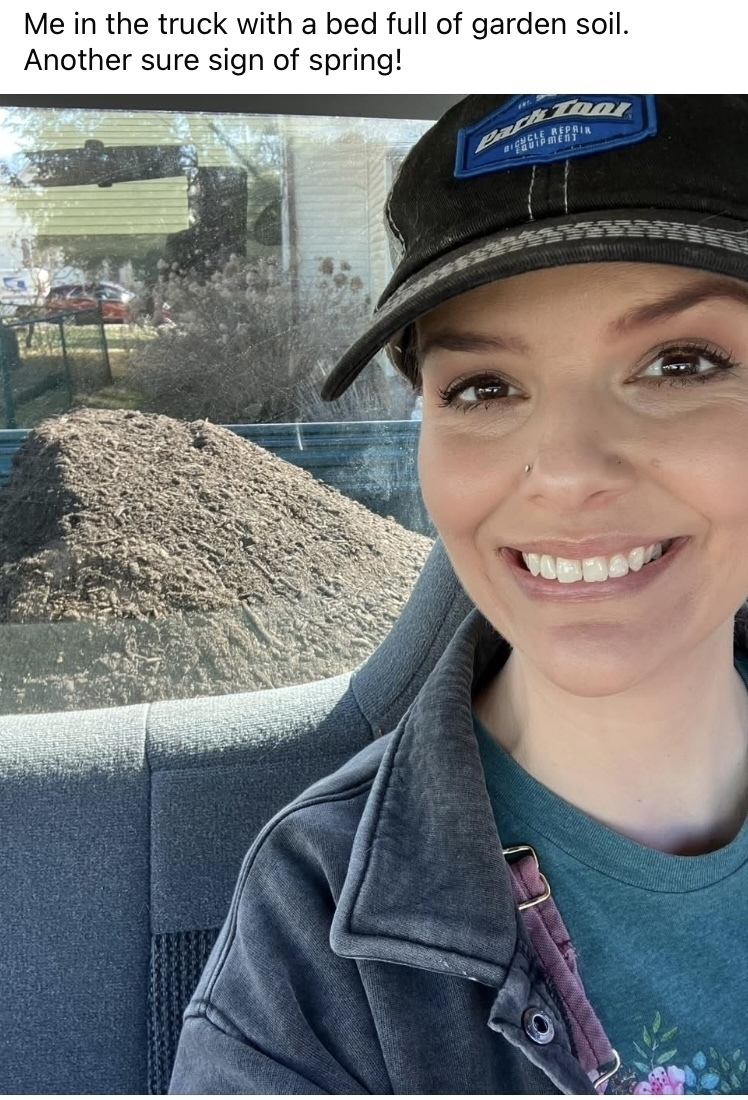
(555, 950)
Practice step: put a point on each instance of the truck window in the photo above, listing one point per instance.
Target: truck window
(180, 513)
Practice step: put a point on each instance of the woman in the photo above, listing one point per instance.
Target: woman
(537, 883)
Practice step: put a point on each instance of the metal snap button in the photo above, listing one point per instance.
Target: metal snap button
(538, 1026)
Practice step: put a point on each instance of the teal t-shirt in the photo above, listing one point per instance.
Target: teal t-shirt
(661, 940)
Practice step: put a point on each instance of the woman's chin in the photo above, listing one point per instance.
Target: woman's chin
(593, 659)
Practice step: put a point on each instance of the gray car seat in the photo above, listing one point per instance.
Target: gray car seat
(122, 835)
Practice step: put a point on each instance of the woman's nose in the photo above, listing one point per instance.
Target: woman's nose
(579, 448)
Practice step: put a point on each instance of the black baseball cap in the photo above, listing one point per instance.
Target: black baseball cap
(503, 185)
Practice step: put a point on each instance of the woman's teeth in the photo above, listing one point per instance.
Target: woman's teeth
(568, 571)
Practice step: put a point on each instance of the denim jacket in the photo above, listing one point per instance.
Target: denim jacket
(373, 944)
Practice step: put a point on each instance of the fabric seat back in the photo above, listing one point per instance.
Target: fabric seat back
(122, 835)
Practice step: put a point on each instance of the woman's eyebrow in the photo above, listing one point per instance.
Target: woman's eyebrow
(463, 340)
(679, 302)
(447, 339)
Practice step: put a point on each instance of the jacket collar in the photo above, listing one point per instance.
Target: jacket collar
(427, 884)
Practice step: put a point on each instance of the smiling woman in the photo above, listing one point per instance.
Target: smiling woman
(561, 816)
(623, 532)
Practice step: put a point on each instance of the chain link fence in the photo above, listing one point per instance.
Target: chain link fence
(49, 363)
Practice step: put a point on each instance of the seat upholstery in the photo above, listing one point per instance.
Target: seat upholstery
(122, 835)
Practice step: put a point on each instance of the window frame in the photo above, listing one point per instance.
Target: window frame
(429, 107)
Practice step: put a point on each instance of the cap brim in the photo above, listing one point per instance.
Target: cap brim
(624, 236)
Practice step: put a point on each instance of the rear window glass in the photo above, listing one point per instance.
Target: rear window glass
(180, 513)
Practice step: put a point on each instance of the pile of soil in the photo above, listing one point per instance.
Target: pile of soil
(146, 558)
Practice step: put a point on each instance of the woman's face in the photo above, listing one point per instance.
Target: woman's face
(625, 386)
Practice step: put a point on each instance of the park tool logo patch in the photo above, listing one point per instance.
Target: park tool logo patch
(539, 129)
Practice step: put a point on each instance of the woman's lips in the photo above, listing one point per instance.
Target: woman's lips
(580, 591)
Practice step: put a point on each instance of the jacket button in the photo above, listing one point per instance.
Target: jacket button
(538, 1026)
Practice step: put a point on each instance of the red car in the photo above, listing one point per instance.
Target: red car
(113, 301)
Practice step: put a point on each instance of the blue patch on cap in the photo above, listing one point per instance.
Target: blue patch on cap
(540, 129)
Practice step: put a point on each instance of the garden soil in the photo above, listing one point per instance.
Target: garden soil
(145, 558)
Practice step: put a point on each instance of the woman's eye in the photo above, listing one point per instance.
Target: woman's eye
(465, 394)
(678, 365)
(687, 364)
(480, 393)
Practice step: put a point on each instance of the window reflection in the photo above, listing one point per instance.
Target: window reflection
(251, 248)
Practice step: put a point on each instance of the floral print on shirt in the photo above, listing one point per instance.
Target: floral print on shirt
(662, 1069)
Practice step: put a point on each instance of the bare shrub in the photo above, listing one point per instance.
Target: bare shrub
(247, 346)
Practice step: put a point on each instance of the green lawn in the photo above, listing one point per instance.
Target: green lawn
(43, 369)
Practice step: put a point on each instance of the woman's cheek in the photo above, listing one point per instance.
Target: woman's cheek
(462, 485)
